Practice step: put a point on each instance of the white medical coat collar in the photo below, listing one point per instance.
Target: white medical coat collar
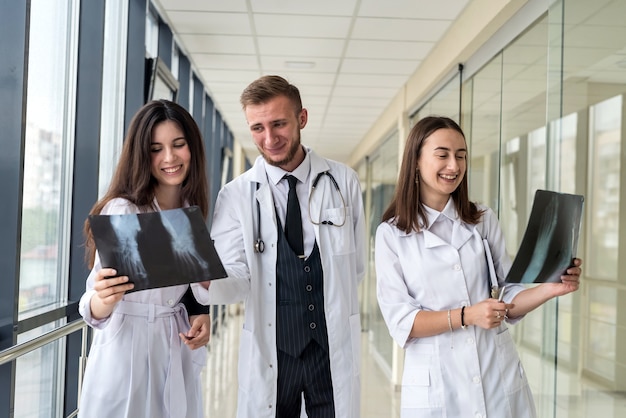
(460, 232)
(449, 211)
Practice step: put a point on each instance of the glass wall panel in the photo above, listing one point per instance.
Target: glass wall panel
(524, 170)
(603, 249)
(175, 60)
(600, 352)
(524, 76)
(446, 102)
(152, 33)
(113, 87)
(383, 171)
(605, 138)
(364, 289)
(49, 140)
(546, 113)
(537, 161)
(48, 147)
(593, 87)
(39, 379)
(509, 173)
(481, 124)
(565, 134)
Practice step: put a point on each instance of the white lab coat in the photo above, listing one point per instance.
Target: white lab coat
(137, 366)
(468, 372)
(252, 279)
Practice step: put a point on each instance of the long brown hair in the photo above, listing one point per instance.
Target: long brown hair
(133, 180)
(406, 208)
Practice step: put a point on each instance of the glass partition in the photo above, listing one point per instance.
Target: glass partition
(481, 124)
(364, 298)
(39, 377)
(44, 251)
(605, 137)
(445, 102)
(506, 131)
(383, 173)
(546, 112)
(113, 87)
(48, 150)
(593, 87)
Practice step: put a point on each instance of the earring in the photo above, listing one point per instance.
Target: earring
(417, 177)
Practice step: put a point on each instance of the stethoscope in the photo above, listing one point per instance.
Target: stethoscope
(259, 245)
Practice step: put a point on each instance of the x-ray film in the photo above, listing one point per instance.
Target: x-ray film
(550, 242)
(157, 249)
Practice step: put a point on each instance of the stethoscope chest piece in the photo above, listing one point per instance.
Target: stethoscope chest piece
(259, 246)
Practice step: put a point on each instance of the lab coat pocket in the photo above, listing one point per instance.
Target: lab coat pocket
(511, 369)
(419, 387)
(113, 330)
(111, 356)
(198, 359)
(341, 237)
(415, 387)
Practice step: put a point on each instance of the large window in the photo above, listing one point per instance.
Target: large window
(49, 146)
(113, 87)
(605, 138)
(43, 281)
(40, 378)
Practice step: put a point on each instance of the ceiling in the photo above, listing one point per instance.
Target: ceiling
(349, 58)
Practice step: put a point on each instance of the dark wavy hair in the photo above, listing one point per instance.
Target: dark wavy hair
(406, 209)
(133, 178)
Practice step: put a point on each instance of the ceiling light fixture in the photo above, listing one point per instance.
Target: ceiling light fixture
(301, 65)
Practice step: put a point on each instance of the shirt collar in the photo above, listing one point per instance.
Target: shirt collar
(449, 211)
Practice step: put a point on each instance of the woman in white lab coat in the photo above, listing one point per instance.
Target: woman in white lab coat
(146, 357)
(433, 287)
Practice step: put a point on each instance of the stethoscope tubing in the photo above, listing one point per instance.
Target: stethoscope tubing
(259, 245)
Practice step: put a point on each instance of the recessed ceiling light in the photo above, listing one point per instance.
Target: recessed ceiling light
(299, 64)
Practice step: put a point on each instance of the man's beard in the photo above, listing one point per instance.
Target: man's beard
(289, 158)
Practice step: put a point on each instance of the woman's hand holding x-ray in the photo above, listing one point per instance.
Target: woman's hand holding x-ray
(110, 290)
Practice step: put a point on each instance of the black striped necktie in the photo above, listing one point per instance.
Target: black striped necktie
(293, 219)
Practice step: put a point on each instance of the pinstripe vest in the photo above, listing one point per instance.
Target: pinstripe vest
(300, 299)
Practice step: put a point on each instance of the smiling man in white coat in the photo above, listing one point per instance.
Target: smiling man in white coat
(301, 335)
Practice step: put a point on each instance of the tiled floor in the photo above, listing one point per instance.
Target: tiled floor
(575, 398)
